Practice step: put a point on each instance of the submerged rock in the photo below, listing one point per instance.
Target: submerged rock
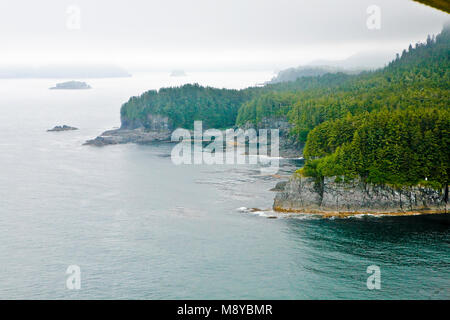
(305, 194)
(62, 128)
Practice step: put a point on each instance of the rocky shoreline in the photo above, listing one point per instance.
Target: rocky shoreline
(122, 136)
(145, 136)
(330, 198)
(304, 194)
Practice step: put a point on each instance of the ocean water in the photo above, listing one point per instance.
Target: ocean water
(140, 227)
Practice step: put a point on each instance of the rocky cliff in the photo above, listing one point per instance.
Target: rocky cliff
(156, 128)
(159, 128)
(289, 147)
(304, 194)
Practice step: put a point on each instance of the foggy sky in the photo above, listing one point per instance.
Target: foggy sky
(205, 33)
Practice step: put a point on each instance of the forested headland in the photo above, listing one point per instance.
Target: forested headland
(389, 126)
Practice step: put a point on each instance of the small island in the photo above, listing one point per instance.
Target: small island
(77, 85)
(62, 128)
(178, 73)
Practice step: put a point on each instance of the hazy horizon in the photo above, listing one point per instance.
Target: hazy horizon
(164, 35)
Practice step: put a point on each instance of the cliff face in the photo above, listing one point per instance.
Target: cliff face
(280, 123)
(154, 122)
(302, 194)
(156, 128)
(289, 147)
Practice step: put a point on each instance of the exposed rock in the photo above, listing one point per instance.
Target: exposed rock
(304, 194)
(158, 122)
(156, 128)
(121, 136)
(152, 122)
(62, 128)
(279, 186)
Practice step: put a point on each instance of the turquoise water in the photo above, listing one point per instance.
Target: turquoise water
(140, 227)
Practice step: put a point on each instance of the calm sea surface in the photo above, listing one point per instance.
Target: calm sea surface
(140, 227)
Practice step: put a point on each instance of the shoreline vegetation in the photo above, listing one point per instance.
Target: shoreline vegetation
(387, 127)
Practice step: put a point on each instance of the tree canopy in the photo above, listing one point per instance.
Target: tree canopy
(385, 126)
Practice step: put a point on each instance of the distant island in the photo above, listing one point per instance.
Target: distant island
(178, 73)
(62, 128)
(77, 85)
